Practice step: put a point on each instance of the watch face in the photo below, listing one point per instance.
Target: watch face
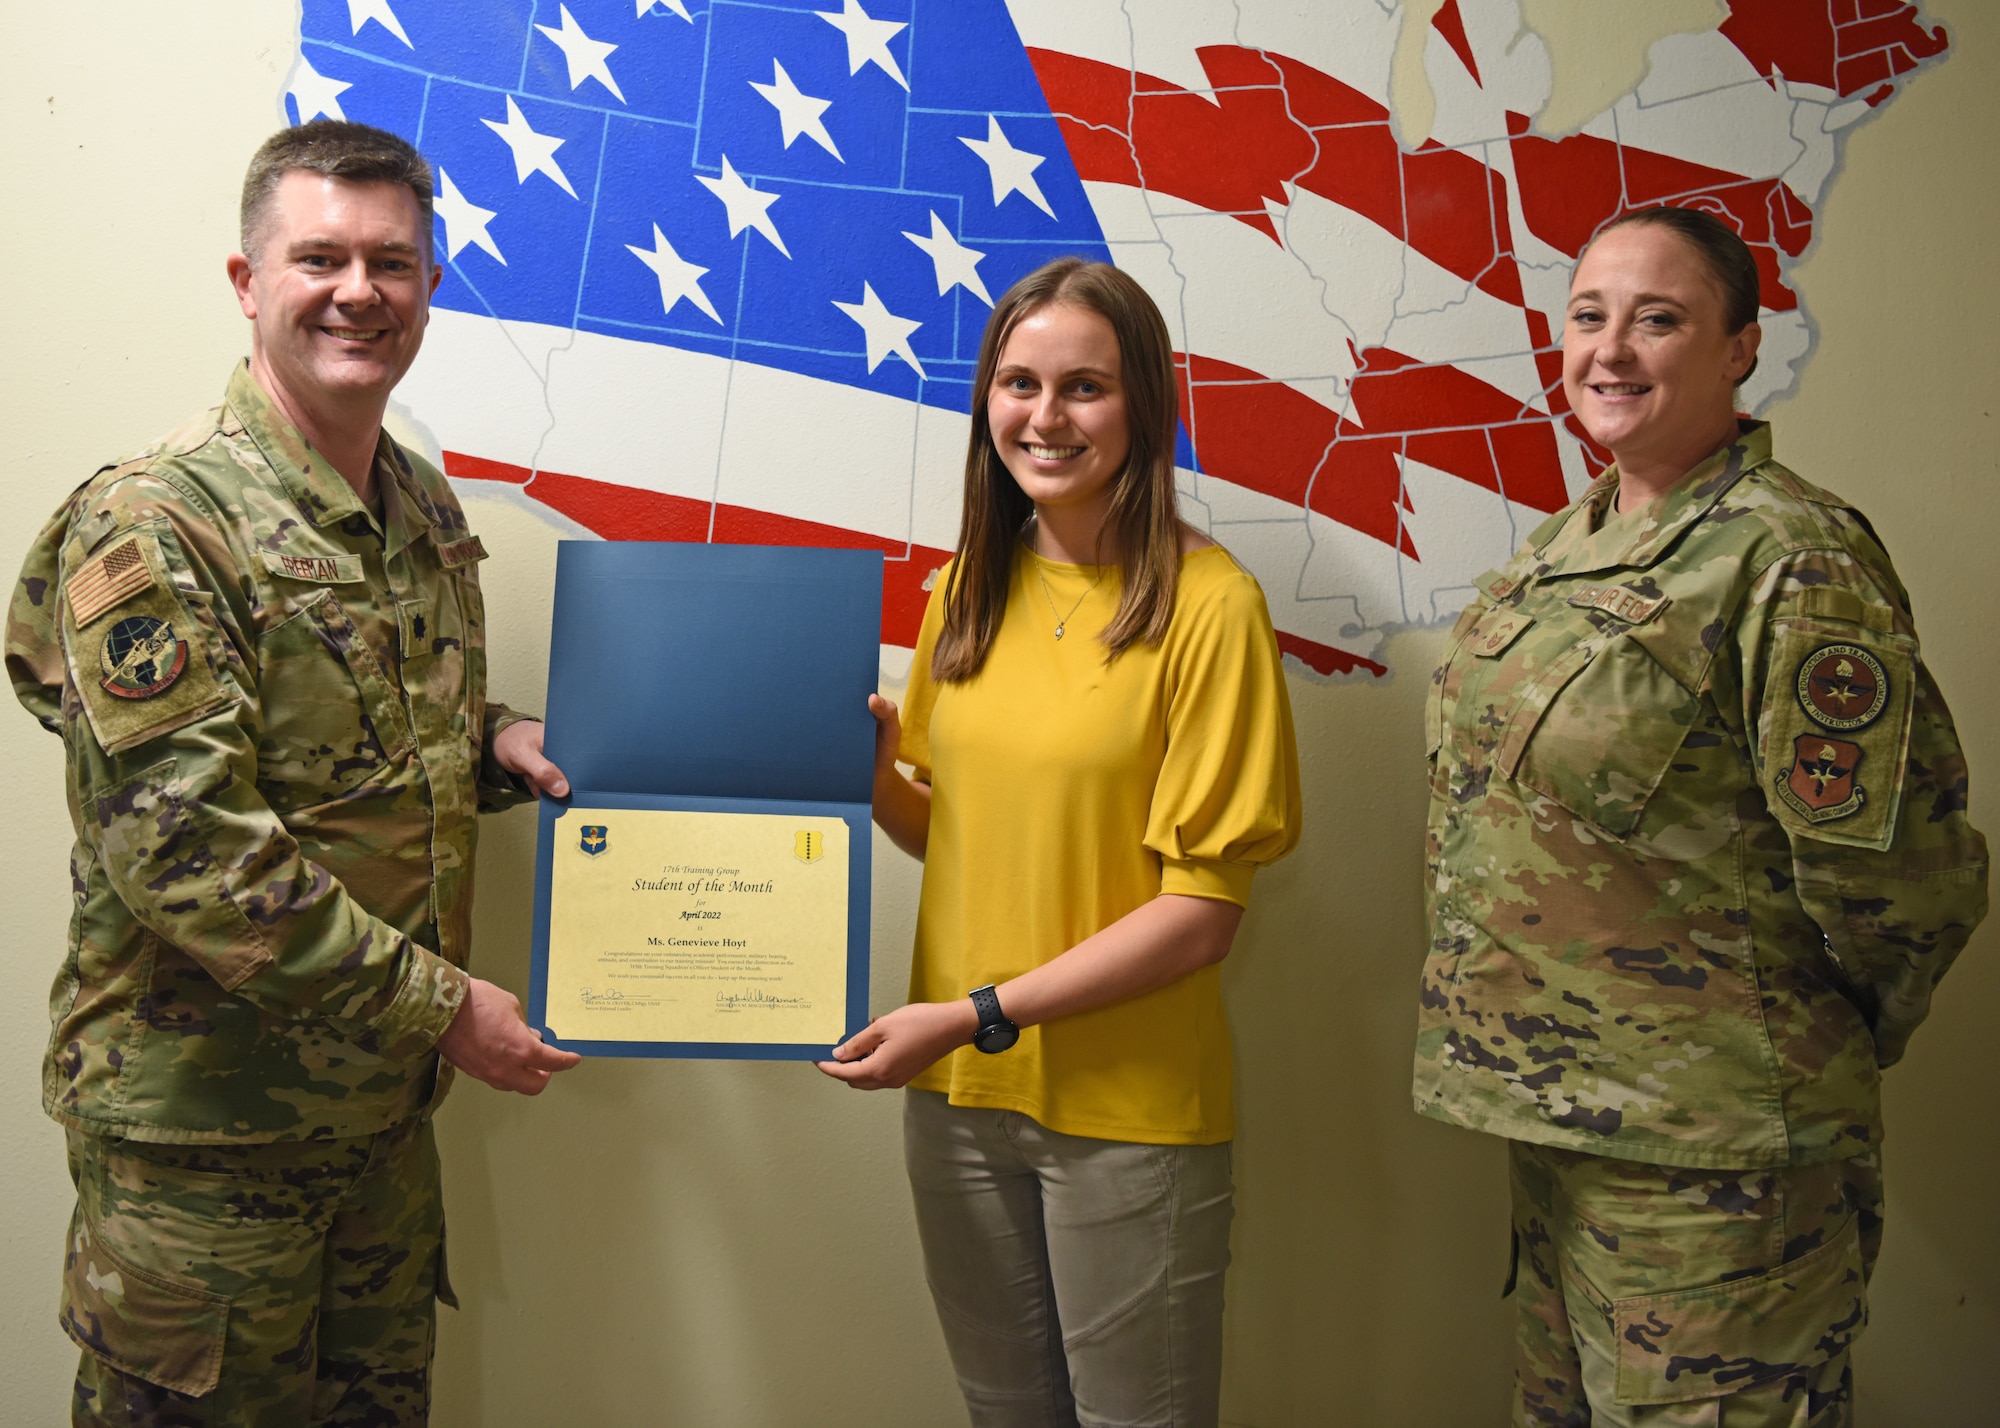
(997, 1037)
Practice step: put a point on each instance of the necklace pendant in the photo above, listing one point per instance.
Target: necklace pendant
(1059, 630)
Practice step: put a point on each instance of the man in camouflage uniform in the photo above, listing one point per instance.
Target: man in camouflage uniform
(262, 643)
(1698, 852)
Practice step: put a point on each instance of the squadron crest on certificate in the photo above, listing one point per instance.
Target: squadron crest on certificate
(595, 839)
(808, 845)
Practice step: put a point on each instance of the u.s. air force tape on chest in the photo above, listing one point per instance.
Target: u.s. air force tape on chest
(1619, 602)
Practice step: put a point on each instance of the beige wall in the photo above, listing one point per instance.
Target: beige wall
(716, 1244)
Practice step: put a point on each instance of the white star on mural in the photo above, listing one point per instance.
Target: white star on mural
(867, 39)
(678, 278)
(315, 93)
(584, 55)
(957, 265)
(533, 153)
(799, 113)
(747, 208)
(464, 221)
(884, 331)
(674, 5)
(1012, 169)
(360, 12)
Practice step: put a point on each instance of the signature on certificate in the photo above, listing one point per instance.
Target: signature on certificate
(759, 998)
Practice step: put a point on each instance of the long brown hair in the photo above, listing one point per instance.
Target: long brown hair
(1141, 533)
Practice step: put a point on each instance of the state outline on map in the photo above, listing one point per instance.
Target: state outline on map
(1363, 580)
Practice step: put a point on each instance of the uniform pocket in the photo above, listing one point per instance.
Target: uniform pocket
(1434, 700)
(1727, 1338)
(163, 1329)
(332, 717)
(1598, 732)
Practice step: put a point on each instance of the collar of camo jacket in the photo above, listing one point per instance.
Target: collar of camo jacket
(320, 492)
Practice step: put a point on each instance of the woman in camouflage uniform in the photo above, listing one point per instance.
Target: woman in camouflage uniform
(1698, 852)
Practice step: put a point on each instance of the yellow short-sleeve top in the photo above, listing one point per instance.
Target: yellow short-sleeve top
(1065, 793)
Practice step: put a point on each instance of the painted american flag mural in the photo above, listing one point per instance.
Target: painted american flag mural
(717, 270)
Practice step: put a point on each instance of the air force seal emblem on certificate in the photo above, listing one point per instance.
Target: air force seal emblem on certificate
(140, 657)
(595, 839)
(808, 845)
(1820, 783)
(1843, 686)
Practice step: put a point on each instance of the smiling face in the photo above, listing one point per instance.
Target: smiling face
(1057, 411)
(1649, 365)
(339, 294)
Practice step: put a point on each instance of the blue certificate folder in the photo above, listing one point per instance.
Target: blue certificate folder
(713, 678)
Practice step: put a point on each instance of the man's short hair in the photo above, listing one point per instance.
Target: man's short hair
(338, 149)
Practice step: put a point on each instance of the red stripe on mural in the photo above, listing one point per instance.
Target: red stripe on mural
(478, 468)
(1272, 438)
(1571, 186)
(1839, 45)
(628, 513)
(1275, 121)
(1449, 23)
(1324, 659)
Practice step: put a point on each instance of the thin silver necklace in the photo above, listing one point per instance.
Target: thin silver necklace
(1062, 620)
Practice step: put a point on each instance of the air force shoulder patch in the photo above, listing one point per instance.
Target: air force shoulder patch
(1837, 717)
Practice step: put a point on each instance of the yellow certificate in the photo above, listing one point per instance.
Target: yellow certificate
(677, 926)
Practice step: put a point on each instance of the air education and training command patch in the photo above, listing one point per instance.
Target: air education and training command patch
(1820, 785)
(1843, 687)
(141, 656)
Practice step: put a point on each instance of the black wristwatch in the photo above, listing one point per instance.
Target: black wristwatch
(995, 1033)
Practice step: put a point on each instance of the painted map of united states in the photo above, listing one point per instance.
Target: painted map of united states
(718, 271)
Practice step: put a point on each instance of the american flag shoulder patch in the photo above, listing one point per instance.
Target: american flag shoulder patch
(108, 579)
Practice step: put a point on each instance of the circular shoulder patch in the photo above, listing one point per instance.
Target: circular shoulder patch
(1843, 686)
(141, 657)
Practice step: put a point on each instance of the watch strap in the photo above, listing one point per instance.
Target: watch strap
(986, 1004)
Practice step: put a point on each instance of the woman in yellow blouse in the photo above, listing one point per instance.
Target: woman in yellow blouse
(1103, 756)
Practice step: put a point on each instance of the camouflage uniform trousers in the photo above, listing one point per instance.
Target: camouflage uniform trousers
(283, 1283)
(1651, 1295)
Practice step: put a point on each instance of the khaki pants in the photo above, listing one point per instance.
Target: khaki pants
(1654, 1297)
(281, 1284)
(1078, 1281)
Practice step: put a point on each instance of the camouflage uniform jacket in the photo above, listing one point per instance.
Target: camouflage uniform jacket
(272, 710)
(1697, 846)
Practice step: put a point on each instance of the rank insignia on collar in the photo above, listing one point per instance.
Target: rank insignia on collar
(596, 839)
(1843, 686)
(141, 656)
(1820, 785)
